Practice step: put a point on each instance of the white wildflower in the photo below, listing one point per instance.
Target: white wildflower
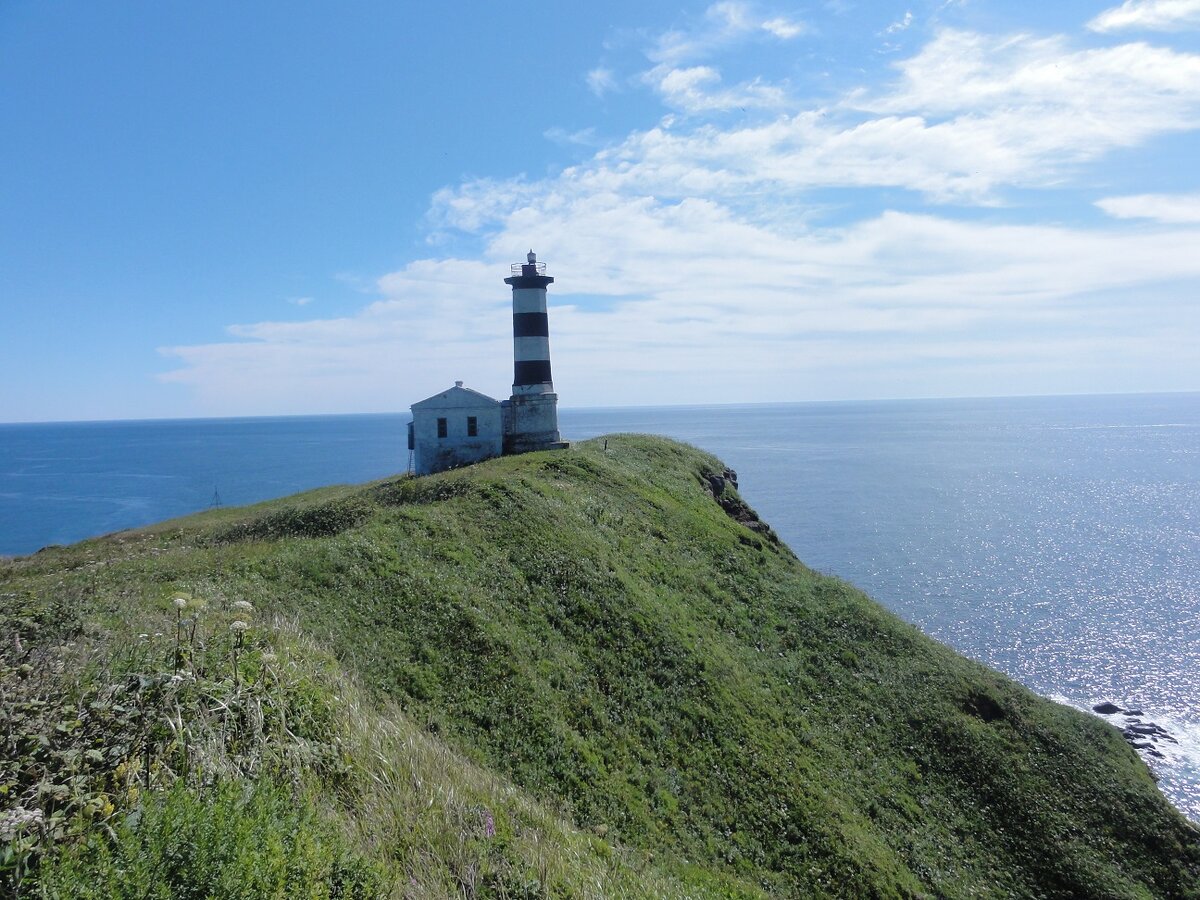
(243, 606)
(239, 625)
(180, 602)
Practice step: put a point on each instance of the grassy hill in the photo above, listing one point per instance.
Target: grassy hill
(572, 674)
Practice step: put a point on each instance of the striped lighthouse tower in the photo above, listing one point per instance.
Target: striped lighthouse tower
(531, 414)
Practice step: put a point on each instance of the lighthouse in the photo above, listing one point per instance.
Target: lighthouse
(531, 413)
(460, 426)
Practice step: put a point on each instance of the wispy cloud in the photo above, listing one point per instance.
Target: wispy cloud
(1178, 209)
(900, 24)
(721, 25)
(687, 83)
(710, 306)
(1149, 15)
(584, 137)
(433, 323)
(784, 29)
(698, 89)
(967, 116)
(679, 259)
(1022, 108)
(966, 72)
(601, 81)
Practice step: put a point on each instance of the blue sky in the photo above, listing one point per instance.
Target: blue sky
(270, 208)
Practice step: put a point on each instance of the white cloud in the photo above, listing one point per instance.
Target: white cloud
(600, 81)
(784, 29)
(704, 305)
(722, 25)
(698, 89)
(1176, 209)
(968, 116)
(1152, 15)
(1021, 110)
(694, 88)
(300, 301)
(585, 137)
(436, 321)
(900, 25)
(965, 72)
(681, 264)
(472, 205)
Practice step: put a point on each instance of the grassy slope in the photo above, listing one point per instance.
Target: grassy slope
(595, 629)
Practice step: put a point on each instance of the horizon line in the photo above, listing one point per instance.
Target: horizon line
(315, 415)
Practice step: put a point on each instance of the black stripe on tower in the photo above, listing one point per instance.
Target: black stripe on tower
(532, 371)
(533, 324)
(528, 279)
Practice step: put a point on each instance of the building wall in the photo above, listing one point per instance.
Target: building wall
(434, 454)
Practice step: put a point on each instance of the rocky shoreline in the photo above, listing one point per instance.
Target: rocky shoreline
(1141, 735)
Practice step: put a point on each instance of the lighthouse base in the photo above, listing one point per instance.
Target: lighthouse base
(531, 423)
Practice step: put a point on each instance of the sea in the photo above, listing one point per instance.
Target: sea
(1056, 539)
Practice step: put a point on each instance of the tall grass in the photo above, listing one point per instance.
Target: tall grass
(248, 763)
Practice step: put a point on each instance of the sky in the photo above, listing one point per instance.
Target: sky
(269, 208)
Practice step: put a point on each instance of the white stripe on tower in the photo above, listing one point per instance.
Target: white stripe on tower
(526, 348)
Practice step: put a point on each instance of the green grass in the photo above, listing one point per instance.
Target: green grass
(567, 674)
(229, 841)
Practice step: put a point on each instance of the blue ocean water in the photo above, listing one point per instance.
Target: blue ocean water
(60, 483)
(1056, 539)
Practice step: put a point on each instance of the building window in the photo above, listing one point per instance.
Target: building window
(441, 428)
(472, 426)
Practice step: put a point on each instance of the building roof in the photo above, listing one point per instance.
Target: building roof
(457, 397)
